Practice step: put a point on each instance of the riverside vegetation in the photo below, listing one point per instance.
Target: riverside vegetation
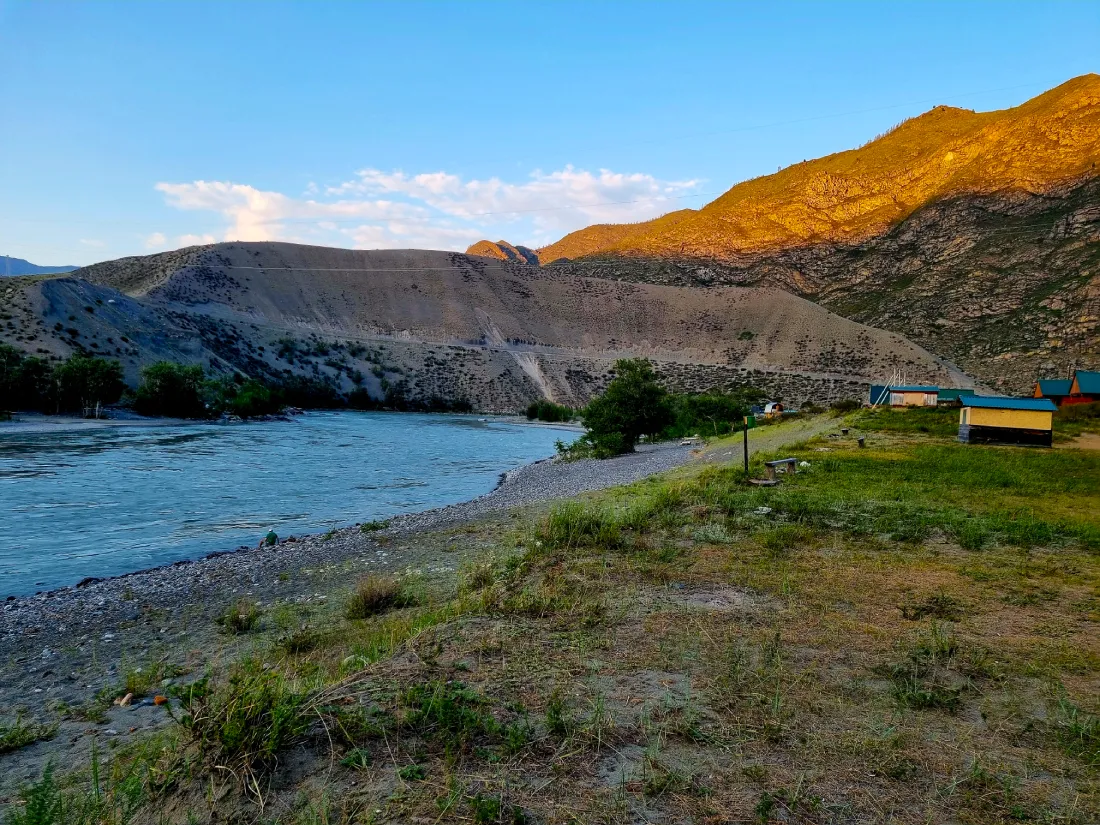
(85, 382)
(901, 633)
(635, 406)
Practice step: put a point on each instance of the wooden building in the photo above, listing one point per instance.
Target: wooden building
(1006, 420)
(1084, 388)
(1057, 391)
(913, 396)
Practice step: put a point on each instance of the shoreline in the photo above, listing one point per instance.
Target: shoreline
(533, 483)
(76, 647)
(38, 425)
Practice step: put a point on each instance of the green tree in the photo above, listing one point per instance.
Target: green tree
(26, 382)
(171, 389)
(10, 361)
(85, 383)
(633, 405)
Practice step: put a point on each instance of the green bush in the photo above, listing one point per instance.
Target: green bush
(548, 411)
(633, 405)
(84, 382)
(845, 405)
(244, 723)
(171, 389)
(711, 413)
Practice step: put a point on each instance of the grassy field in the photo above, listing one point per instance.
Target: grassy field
(903, 633)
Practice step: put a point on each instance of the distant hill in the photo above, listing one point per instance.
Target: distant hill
(504, 251)
(17, 266)
(854, 195)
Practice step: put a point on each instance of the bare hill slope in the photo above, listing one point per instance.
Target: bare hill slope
(439, 323)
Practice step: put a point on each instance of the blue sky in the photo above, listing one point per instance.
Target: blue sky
(135, 127)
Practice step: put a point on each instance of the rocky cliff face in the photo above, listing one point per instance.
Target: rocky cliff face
(1005, 285)
(855, 195)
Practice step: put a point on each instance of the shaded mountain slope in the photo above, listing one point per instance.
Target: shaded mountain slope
(439, 323)
(18, 266)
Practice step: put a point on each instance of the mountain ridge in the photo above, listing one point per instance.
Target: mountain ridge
(440, 324)
(855, 194)
(20, 266)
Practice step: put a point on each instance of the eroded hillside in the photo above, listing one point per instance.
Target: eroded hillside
(1005, 285)
(455, 326)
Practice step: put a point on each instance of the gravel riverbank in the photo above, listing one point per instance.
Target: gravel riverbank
(96, 601)
(60, 649)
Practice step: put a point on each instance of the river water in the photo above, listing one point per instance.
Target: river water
(104, 500)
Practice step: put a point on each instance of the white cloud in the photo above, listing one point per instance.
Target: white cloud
(156, 241)
(436, 210)
(195, 240)
(92, 242)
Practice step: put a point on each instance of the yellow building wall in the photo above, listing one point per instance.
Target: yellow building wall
(1019, 419)
(910, 399)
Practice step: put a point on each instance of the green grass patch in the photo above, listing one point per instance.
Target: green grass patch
(19, 733)
(937, 421)
(243, 723)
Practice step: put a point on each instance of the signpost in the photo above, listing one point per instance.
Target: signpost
(750, 421)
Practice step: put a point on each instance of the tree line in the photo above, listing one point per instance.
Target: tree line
(634, 406)
(82, 384)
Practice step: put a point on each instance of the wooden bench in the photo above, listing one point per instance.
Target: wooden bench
(781, 465)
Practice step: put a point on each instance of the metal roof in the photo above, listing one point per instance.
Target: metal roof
(915, 389)
(1088, 382)
(954, 394)
(1054, 387)
(991, 402)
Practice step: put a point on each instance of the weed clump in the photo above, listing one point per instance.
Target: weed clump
(1079, 733)
(244, 723)
(19, 734)
(937, 606)
(926, 681)
(376, 594)
(574, 525)
(241, 618)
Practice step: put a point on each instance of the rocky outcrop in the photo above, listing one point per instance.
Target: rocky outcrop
(504, 251)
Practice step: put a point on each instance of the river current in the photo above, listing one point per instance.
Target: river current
(104, 500)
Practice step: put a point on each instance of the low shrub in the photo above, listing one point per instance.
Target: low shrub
(376, 594)
(244, 723)
(240, 618)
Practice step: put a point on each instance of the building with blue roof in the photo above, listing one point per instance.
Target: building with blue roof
(904, 396)
(1085, 387)
(994, 420)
